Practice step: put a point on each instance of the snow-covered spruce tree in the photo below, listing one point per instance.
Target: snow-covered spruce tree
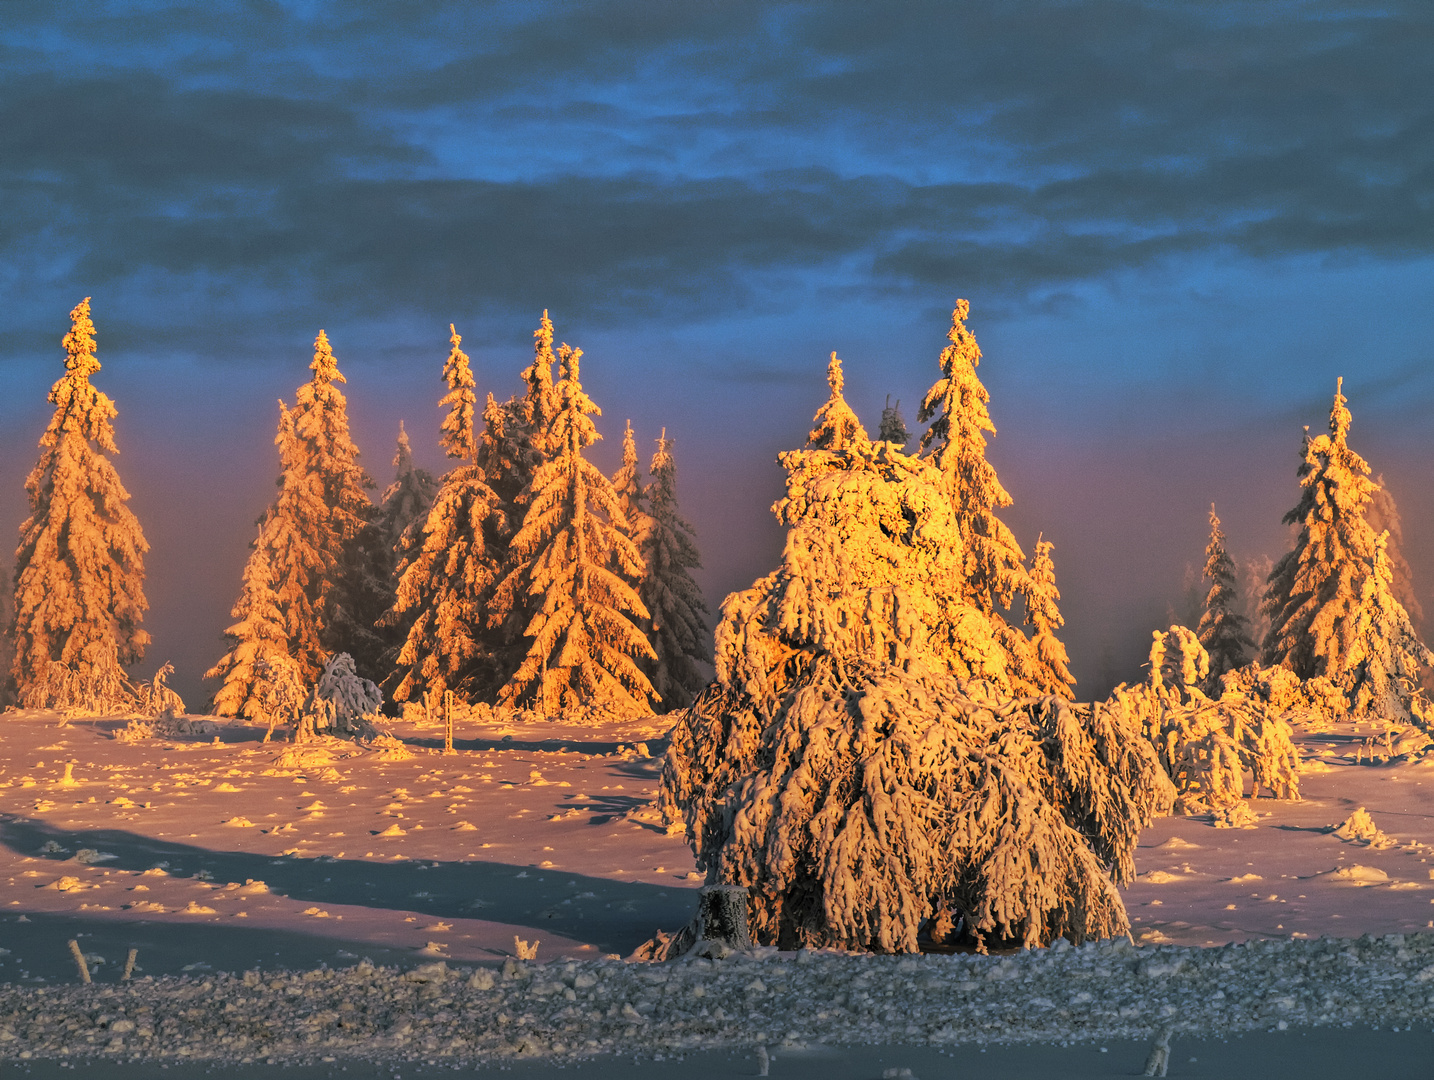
(351, 595)
(893, 425)
(79, 570)
(995, 572)
(1221, 630)
(1207, 746)
(627, 485)
(835, 426)
(514, 444)
(852, 765)
(259, 637)
(396, 528)
(584, 641)
(1044, 619)
(1382, 513)
(1330, 598)
(451, 564)
(677, 626)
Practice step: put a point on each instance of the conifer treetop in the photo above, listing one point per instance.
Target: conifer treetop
(325, 367)
(542, 402)
(76, 401)
(458, 439)
(403, 453)
(836, 426)
(79, 343)
(627, 482)
(893, 425)
(957, 408)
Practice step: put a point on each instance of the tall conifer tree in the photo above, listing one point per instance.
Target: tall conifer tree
(995, 570)
(314, 542)
(514, 445)
(350, 597)
(676, 623)
(79, 571)
(1330, 599)
(583, 641)
(447, 578)
(1222, 631)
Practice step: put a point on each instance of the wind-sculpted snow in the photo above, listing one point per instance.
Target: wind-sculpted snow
(562, 1011)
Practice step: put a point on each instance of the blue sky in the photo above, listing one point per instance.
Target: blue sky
(1176, 223)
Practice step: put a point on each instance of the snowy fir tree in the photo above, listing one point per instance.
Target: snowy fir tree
(676, 626)
(1382, 513)
(405, 503)
(351, 593)
(1044, 619)
(256, 640)
(893, 425)
(514, 444)
(584, 644)
(995, 571)
(835, 426)
(79, 570)
(1221, 629)
(451, 563)
(1330, 598)
(394, 533)
(627, 485)
(855, 767)
(313, 540)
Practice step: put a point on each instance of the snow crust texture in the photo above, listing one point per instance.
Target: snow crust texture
(1110, 990)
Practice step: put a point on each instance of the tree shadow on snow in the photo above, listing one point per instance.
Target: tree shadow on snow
(612, 916)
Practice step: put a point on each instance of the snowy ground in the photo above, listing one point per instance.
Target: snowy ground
(224, 857)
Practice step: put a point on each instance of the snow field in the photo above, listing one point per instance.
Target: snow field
(569, 1009)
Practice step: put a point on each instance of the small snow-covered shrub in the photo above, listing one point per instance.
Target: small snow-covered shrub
(859, 764)
(155, 697)
(280, 692)
(342, 701)
(1206, 746)
(95, 685)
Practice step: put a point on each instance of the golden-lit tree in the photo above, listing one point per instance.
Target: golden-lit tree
(79, 571)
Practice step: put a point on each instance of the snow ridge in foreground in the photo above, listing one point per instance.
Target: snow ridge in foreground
(1108, 990)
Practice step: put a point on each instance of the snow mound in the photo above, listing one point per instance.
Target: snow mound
(1239, 816)
(1357, 875)
(1359, 828)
